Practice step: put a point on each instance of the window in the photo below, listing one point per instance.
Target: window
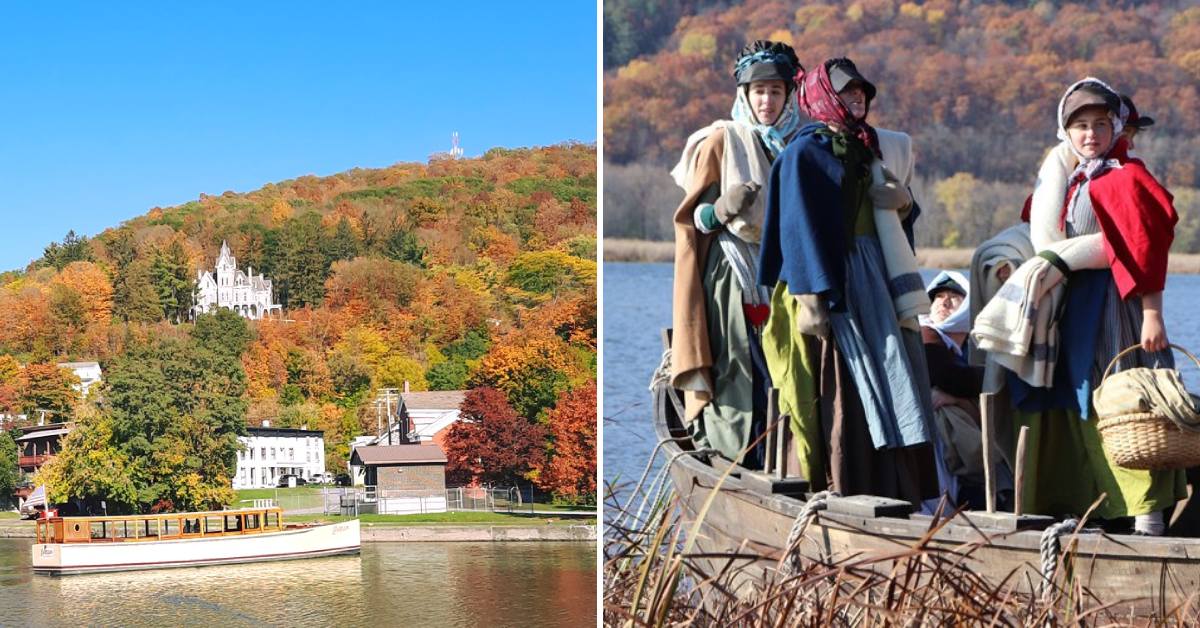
(251, 453)
(263, 452)
(291, 453)
(272, 453)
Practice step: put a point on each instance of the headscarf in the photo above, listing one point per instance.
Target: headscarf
(959, 321)
(766, 65)
(1089, 168)
(774, 136)
(820, 101)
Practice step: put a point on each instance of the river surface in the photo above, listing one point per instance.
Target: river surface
(637, 306)
(389, 584)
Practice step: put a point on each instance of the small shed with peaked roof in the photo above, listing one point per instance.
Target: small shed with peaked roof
(407, 478)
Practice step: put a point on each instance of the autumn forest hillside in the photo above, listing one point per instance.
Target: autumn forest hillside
(975, 83)
(449, 275)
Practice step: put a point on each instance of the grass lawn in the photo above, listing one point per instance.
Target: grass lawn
(275, 493)
(446, 518)
(9, 515)
(555, 507)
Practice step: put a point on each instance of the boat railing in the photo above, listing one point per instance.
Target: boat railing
(159, 527)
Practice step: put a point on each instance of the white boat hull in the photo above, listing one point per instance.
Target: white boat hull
(77, 558)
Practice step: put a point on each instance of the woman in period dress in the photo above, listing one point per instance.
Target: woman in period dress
(719, 307)
(1104, 223)
(846, 356)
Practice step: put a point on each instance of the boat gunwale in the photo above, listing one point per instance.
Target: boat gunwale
(959, 531)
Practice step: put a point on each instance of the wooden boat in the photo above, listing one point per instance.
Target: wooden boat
(748, 516)
(75, 545)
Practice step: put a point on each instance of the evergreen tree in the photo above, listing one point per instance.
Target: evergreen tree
(134, 296)
(402, 245)
(172, 282)
(72, 249)
(343, 245)
(299, 267)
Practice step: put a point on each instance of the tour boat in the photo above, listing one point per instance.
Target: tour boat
(76, 545)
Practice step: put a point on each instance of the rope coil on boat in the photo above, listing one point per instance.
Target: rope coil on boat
(818, 502)
(1051, 550)
(662, 377)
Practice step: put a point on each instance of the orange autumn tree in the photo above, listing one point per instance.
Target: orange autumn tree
(530, 369)
(570, 469)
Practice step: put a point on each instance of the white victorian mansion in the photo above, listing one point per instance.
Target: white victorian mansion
(233, 289)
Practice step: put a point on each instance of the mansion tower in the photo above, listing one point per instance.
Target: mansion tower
(242, 292)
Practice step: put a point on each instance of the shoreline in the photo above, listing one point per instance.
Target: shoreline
(385, 533)
(654, 251)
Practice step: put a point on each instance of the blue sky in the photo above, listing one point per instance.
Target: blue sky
(107, 111)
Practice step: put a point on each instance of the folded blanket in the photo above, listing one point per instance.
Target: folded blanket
(1018, 327)
(1009, 248)
(904, 279)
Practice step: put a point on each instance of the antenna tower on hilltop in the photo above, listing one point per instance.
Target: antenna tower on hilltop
(455, 151)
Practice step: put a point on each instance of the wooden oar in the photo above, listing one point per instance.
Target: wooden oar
(1019, 480)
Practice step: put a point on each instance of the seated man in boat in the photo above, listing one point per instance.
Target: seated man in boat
(956, 388)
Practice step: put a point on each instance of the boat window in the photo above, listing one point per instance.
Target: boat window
(272, 520)
(252, 521)
(170, 527)
(122, 529)
(99, 529)
(233, 523)
(191, 526)
(213, 525)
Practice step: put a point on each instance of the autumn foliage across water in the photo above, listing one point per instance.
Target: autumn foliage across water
(975, 84)
(451, 275)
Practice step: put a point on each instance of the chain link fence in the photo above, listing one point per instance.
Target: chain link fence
(369, 499)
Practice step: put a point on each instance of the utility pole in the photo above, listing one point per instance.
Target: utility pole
(385, 396)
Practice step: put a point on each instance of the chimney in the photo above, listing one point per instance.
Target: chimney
(406, 386)
(266, 422)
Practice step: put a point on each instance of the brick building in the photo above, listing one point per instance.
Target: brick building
(407, 478)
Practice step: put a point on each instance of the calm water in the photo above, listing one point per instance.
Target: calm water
(389, 584)
(637, 305)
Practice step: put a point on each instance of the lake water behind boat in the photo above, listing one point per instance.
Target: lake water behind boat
(389, 584)
(637, 306)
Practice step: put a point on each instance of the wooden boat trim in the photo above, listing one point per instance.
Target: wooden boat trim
(690, 473)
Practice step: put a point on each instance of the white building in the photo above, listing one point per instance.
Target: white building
(422, 416)
(87, 372)
(270, 452)
(242, 292)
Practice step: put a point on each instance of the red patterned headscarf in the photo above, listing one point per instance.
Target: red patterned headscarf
(820, 101)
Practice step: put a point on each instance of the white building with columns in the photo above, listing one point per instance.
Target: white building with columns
(269, 452)
(230, 288)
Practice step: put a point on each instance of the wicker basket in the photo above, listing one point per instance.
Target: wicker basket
(1145, 440)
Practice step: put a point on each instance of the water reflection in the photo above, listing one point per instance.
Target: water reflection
(430, 584)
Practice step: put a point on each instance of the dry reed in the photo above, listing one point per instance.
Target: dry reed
(652, 577)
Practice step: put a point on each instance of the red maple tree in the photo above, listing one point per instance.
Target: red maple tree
(491, 443)
(571, 469)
